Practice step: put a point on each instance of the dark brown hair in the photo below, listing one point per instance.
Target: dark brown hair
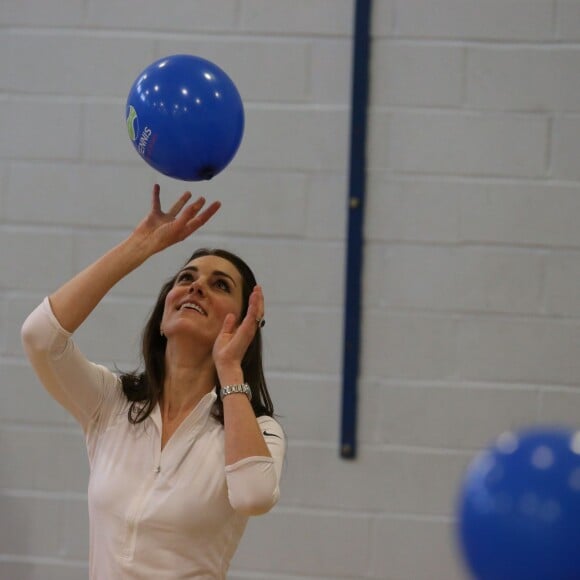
(143, 388)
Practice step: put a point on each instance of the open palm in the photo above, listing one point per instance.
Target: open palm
(160, 229)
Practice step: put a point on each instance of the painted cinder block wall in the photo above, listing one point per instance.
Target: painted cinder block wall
(471, 310)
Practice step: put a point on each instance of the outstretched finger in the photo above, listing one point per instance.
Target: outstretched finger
(180, 204)
(199, 219)
(255, 312)
(191, 210)
(155, 200)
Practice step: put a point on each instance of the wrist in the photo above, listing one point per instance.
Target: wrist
(230, 375)
(138, 247)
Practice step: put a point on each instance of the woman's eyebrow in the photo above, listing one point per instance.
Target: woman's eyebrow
(214, 273)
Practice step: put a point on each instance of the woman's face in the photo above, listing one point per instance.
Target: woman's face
(205, 291)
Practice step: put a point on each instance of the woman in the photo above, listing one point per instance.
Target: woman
(181, 454)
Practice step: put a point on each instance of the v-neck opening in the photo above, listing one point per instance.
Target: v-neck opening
(192, 422)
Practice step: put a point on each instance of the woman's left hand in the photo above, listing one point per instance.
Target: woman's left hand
(233, 340)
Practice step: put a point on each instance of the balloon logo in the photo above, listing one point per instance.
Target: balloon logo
(185, 117)
(132, 125)
(519, 507)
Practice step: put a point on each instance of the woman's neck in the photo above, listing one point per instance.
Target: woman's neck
(188, 378)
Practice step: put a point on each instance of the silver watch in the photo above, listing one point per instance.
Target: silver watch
(241, 388)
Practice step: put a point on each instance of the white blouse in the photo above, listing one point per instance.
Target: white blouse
(174, 513)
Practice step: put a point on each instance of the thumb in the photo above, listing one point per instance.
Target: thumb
(229, 324)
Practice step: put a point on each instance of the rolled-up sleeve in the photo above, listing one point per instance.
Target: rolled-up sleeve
(75, 382)
(254, 482)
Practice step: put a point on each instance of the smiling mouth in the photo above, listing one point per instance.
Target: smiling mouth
(193, 306)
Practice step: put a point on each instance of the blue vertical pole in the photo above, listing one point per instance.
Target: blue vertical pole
(354, 254)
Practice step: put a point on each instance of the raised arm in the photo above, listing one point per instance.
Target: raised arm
(75, 300)
(75, 382)
(254, 448)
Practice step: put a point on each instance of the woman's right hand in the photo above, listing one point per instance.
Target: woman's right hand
(76, 299)
(160, 229)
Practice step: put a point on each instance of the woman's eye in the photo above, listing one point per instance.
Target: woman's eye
(223, 285)
(184, 277)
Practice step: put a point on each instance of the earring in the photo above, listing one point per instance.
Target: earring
(161, 332)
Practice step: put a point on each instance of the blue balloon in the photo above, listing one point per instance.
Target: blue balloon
(185, 117)
(519, 507)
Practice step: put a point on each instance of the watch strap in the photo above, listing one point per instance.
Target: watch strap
(239, 388)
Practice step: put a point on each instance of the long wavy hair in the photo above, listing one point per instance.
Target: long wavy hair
(144, 387)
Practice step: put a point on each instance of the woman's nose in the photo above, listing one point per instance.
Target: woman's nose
(196, 287)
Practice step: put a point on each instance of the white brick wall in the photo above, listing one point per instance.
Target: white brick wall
(471, 314)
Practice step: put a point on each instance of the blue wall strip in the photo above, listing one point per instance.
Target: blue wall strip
(355, 241)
